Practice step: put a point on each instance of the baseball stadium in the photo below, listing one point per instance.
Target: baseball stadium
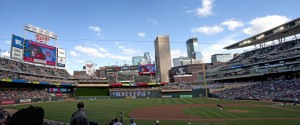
(256, 87)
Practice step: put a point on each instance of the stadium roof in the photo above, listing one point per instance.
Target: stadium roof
(281, 31)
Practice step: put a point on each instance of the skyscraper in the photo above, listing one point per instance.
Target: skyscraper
(162, 57)
(221, 57)
(176, 61)
(147, 57)
(193, 49)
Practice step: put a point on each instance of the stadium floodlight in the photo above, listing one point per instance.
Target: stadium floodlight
(245, 42)
(260, 36)
(38, 30)
(297, 22)
(279, 29)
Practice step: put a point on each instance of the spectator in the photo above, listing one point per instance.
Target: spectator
(1, 113)
(28, 116)
(117, 122)
(79, 117)
(132, 122)
(157, 122)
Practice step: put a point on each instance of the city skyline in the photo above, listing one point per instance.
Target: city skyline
(106, 32)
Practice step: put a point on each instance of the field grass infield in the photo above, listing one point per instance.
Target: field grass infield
(172, 111)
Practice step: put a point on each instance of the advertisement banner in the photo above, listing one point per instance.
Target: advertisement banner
(59, 90)
(7, 102)
(17, 45)
(61, 57)
(166, 96)
(17, 53)
(186, 96)
(181, 70)
(41, 38)
(146, 69)
(25, 100)
(61, 62)
(61, 53)
(58, 94)
(39, 53)
(17, 42)
(6, 80)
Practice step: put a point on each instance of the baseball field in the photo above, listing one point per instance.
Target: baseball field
(175, 111)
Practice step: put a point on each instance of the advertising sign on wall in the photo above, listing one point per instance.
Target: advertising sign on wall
(17, 45)
(39, 53)
(146, 69)
(25, 100)
(7, 102)
(61, 57)
(17, 53)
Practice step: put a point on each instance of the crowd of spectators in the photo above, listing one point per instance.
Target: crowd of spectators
(22, 93)
(129, 76)
(177, 86)
(125, 76)
(284, 90)
(23, 67)
(240, 65)
(279, 51)
(33, 78)
(12, 69)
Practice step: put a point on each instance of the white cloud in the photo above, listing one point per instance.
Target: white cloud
(204, 10)
(118, 57)
(96, 29)
(6, 54)
(141, 34)
(102, 49)
(261, 24)
(208, 30)
(153, 21)
(89, 51)
(129, 51)
(73, 54)
(79, 61)
(100, 52)
(117, 43)
(232, 24)
(8, 42)
(217, 47)
(177, 53)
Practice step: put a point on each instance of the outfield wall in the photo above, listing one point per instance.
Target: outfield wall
(140, 94)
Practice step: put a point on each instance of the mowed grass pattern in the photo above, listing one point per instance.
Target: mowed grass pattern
(104, 110)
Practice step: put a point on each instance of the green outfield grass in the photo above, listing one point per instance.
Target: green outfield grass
(104, 110)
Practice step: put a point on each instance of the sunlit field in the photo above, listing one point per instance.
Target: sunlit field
(194, 111)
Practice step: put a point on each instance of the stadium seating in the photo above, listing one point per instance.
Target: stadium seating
(284, 90)
(176, 86)
(24, 93)
(12, 69)
(253, 62)
(125, 76)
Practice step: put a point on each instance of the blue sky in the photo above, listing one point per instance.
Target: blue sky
(110, 31)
